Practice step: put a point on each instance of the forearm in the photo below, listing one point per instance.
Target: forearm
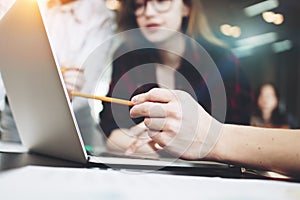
(271, 149)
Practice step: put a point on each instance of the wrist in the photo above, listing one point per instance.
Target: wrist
(219, 150)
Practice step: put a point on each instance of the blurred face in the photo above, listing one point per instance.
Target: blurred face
(267, 100)
(153, 15)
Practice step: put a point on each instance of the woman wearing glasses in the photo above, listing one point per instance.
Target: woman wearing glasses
(155, 55)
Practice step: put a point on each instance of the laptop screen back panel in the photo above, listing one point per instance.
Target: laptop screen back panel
(36, 94)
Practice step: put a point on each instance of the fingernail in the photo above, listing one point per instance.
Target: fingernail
(129, 151)
(134, 100)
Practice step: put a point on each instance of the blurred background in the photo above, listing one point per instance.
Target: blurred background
(265, 36)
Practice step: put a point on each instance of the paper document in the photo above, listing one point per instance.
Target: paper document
(71, 183)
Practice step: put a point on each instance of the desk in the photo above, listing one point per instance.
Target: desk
(71, 182)
(68, 180)
(17, 160)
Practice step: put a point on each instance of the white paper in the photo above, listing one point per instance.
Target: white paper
(71, 183)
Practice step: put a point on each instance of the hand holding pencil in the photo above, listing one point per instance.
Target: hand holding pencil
(139, 131)
(74, 78)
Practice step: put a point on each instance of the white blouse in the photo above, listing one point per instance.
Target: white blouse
(75, 31)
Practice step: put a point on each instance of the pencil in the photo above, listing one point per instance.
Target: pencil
(102, 98)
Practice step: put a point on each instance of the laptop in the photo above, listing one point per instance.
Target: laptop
(40, 102)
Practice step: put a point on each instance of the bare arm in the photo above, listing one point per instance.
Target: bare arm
(270, 149)
(182, 127)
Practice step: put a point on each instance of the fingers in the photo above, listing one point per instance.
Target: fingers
(140, 142)
(135, 146)
(163, 124)
(156, 110)
(148, 109)
(156, 103)
(64, 69)
(74, 79)
(140, 133)
(154, 95)
(160, 134)
(138, 130)
(161, 130)
(73, 87)
(155, 124)
(161, 138)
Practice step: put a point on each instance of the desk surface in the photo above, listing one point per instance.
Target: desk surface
(35, 182)
(16, 160)
(69, 180)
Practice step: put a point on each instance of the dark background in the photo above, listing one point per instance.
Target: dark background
(264, 64)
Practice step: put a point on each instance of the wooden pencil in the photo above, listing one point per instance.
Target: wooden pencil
(103, 98)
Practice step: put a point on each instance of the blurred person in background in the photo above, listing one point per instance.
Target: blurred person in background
(267, 113)
(140, 70)
(76, 28)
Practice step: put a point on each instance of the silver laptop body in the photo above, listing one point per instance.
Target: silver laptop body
(34, 86)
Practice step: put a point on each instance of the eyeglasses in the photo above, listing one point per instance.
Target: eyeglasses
(160, 6)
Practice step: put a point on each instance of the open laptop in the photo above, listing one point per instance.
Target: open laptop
(39, 99)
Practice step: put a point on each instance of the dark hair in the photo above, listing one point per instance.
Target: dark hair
(194, 26)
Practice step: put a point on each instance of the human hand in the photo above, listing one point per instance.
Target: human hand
(141, 139)
(74, 78)
(177, 122)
